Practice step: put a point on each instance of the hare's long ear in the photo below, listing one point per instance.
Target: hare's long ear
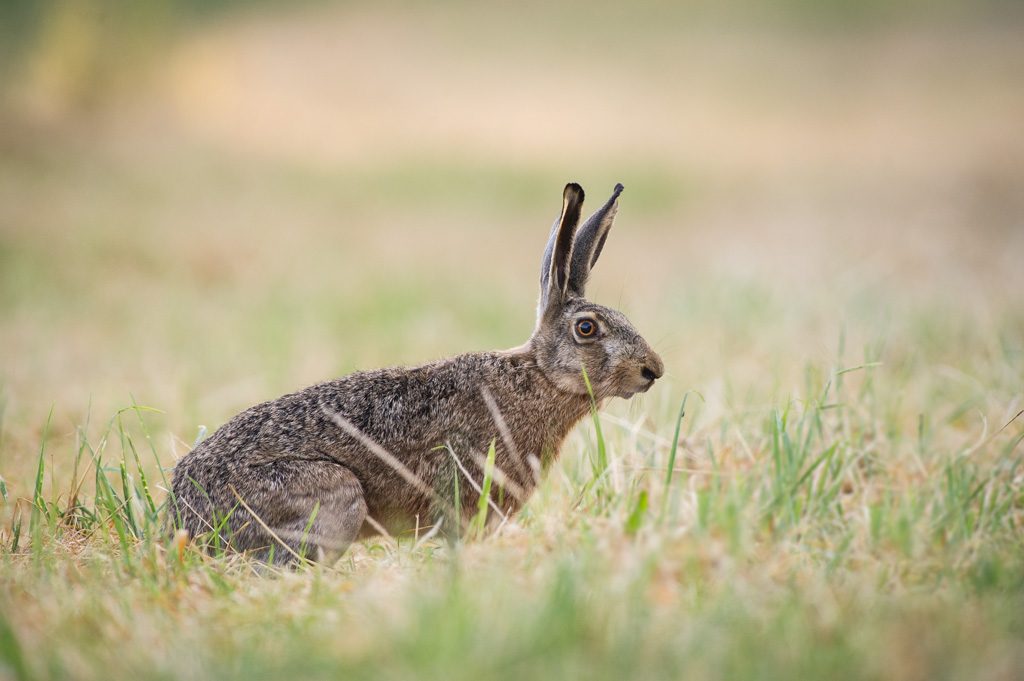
(589, 242)
(554, 269)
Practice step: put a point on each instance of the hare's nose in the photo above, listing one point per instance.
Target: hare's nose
(654, 368)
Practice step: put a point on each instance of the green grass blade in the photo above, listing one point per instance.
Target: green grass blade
(12, 655)
(309, 527)
(480, 521)
(457, 520)
(673, 452)
(601, 465)
(113, 507)
(152, 448)
(675, 442)
(38, 503)
(129, 511)
(636, 516)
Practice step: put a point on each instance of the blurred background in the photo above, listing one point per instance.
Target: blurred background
(206, 204)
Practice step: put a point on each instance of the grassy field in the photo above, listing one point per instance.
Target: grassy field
(821, 233)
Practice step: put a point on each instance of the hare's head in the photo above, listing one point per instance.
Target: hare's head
(572, 333)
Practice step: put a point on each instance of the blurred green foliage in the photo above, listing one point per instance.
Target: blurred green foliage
(86, 49)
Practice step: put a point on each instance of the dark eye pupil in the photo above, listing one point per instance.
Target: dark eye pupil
(585, 328)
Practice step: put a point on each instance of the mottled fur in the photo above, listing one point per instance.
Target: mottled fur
(387, 448)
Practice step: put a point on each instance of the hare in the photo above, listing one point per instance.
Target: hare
(390, 450)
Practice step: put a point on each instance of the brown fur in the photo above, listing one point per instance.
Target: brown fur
(387, 448)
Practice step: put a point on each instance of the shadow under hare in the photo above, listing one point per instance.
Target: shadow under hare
(391, 449)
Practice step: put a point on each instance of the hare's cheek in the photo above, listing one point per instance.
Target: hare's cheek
(612, 350)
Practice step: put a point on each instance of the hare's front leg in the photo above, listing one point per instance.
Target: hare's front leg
(314, 508)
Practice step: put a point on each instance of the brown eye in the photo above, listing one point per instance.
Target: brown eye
(586, 328)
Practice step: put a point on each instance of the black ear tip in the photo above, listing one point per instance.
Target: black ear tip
(618, 190)
(573, 189)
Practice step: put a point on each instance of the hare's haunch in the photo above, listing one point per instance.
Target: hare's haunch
(390, 449)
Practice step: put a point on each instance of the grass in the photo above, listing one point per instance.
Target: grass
(805, 539)
(827, 483)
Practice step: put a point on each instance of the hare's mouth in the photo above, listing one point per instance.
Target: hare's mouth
(626, 393)
(645, 387)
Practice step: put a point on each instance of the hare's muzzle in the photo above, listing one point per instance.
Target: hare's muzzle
(651, 369)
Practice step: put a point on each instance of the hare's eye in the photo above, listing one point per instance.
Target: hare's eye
(586, 328)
